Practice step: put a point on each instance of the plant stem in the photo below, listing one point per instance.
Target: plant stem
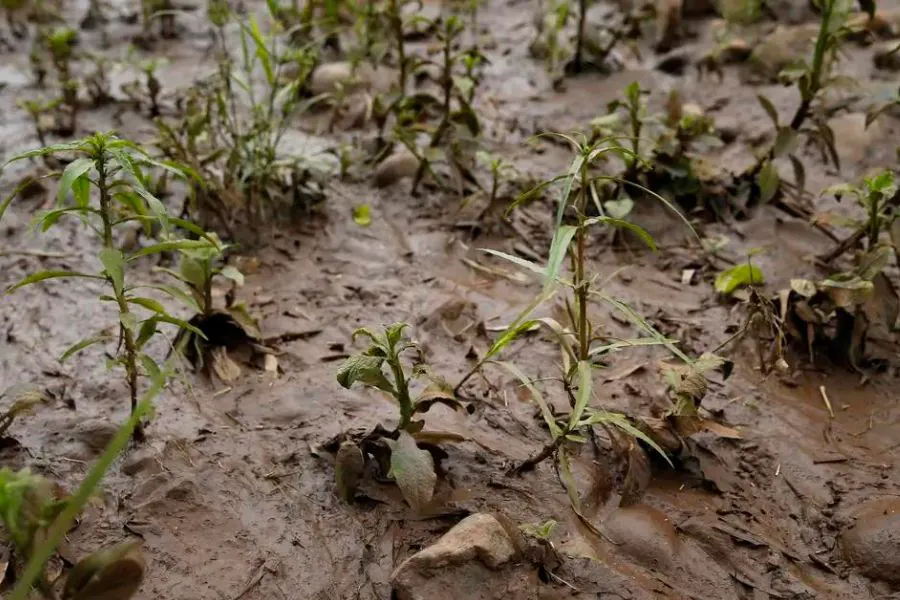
(581, 286)
(130, 358)
(530, 463)
(579, 42)
(406, 407)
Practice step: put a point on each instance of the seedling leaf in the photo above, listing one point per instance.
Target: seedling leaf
(546, 413)
(413, 470)
(366, 370)
(738, 276)
(76, 169)
(114, 265)
(767, 180)
(82, 345)
(44, 275)
(362, 215)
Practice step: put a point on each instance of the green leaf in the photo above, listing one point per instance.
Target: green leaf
(75, 170)
(362, 215)
(147, 331)
(738, 276)
(181, 324)
(644, 325)
(52, 149)
(786, 142)
(150, 304)
(50, 217)
(583, 395)
(365, 370)
(44, 275)
(81, 190)
(769, 108)
(233, 274)
(536, 395)
(526, 264)
(170, 247)
(562, 237)
(178, 294)
(83, 344)
(413, 470)
(150, 366)
(114, 265)
(621, 421)
(129, 321)
(768, 182)
(619, 209)
(622, 224)
(874, 262)
(568, 478)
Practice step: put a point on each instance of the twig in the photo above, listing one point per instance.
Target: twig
(826, 400)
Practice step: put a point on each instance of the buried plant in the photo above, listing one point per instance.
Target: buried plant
(581, 347)
(36, 516)
(106, 183)
(397, 452)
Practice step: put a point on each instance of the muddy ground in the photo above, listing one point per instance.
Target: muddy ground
(231, 498)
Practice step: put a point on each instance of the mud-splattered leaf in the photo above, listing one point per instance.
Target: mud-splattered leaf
(884, 305)
(874, 262)
(568, 478)
(365, 370)
(622, 422)
(847, 292)
(583, 394)
(233, 274)
(349, 464)
(111, 574)
(738, 276)
(768, 182)
(413, 470)
(362, 215)
(804, 287)
(241, 315)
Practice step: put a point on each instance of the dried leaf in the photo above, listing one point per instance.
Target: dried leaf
(638, 476)
(225, 369)
(413, 470)
(348, 469)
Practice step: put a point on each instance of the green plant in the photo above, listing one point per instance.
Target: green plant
(581, 348)
(36, 519)
(879, 200)
(97, 81)
(231, 129)
(38, 110)
(24, 399)
(149, 87)
(761, 182)
(110, 171)
(381, 366)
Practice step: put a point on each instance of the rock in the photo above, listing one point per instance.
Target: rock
(872, 544)
(674, 63)
(853, 139)
(885, 24)
(782, 47)
(887, 57)
(332, 77)
(395, 167)
(464, 564)
(645, 533)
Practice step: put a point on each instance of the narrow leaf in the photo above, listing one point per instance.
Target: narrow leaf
(536, 395)
(768, 182)
(114, 265)
(44, 275)
(76, 169)
(738, 276)
(583, 396)
(83, 344)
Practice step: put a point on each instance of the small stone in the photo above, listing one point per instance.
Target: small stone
(333, 77)
(464, 563)
(395, 167)
(781, 48)
(872, 544)
(645, 533)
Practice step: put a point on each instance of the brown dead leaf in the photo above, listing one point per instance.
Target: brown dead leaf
(225, 369)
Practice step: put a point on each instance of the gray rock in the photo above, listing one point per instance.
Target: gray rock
(471, 561)
(872, 544)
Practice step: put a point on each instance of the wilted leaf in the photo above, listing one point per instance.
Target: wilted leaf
(849, 292)
(804, 287)
(738, 276)
(768, 182)
(413, 470)
(362, 215)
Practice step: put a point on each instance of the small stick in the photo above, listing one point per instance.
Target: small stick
(260, 572)
(827, 401)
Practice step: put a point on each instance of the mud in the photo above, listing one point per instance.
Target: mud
(232, 498)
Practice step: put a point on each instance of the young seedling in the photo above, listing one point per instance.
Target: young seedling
(106, 182)
(879, 199)
(231, 130)
(580, 346)
(382, 366)
(811, 79)
(36, 516)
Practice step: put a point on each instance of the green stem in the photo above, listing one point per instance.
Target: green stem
(581, 286)
(406, 407)
(131, 369)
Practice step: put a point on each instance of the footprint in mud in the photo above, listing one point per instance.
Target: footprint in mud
(872, 544)
(644, 533)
